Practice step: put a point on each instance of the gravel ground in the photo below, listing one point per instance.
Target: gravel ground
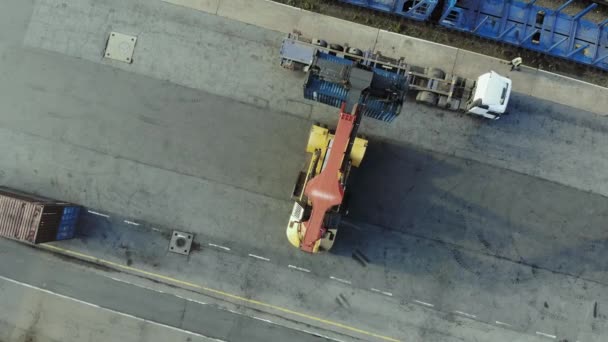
(441, 35)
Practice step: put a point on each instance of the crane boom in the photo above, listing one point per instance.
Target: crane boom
(325, 190)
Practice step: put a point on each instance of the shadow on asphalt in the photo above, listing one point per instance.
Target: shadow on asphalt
(403, 200)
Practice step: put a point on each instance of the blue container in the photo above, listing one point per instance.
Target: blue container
(412, 9)
(334, 94)
(67, 226)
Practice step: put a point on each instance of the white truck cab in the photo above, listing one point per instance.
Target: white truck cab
(490, 96)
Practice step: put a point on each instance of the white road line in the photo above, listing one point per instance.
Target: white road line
(105, 309)
(299, 268)
(98, 214)
(424, 303)
(156, 290)
(218, 246)
(546, 335)
(155, 229)
(383, 292)
(503, 323)
(259, 257)
(262, 319)
(131, 223)
(465, 314)
(340, 280)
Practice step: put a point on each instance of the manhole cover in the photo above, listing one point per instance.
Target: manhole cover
(180, 242)
(120, 47)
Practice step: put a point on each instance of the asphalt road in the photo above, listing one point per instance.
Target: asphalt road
(177, 141)
(45, 298)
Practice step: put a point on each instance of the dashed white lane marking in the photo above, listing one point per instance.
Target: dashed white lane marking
(155, 229)
(503, 323)
(424, 303)
(340, 280)
(383, 292)
(131, 223)
(465, 314)
(299, 268)
(105, 309)
(259, 257)
(98, 214)
(218, 246)
(262, 319)
(546, 335)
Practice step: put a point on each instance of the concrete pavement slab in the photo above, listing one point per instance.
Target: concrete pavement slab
(189, 48)
(274, 16)
(417, 51)
(471, 65)
(210, 6)
(575, 93)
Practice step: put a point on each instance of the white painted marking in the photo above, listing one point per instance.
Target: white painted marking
(299, 268)
(105, 309)
(98, 214)
(546, 335)
(192, 300)
(262, 319)
(503, 323)
(383, 292)
(131, 223)
(259, 257)
(218, 246)
(424, 303)
(340, 280)
(465, 314)
(157, 290)
(155, 229)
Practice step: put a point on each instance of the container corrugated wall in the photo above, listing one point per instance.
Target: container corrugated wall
(19, 219)
(35, 219)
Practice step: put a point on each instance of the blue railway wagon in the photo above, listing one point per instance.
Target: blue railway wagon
(516, 22)
(411, 9)
(532, 27)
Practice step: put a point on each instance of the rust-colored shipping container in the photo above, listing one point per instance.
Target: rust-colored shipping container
(32, 218)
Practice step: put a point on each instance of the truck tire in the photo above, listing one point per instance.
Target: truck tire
(427, 97)
(437, 73)
(443, 102)
(355, 51)
(319, 42)
(336, 47)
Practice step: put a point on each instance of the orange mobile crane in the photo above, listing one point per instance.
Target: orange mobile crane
(320, 189)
